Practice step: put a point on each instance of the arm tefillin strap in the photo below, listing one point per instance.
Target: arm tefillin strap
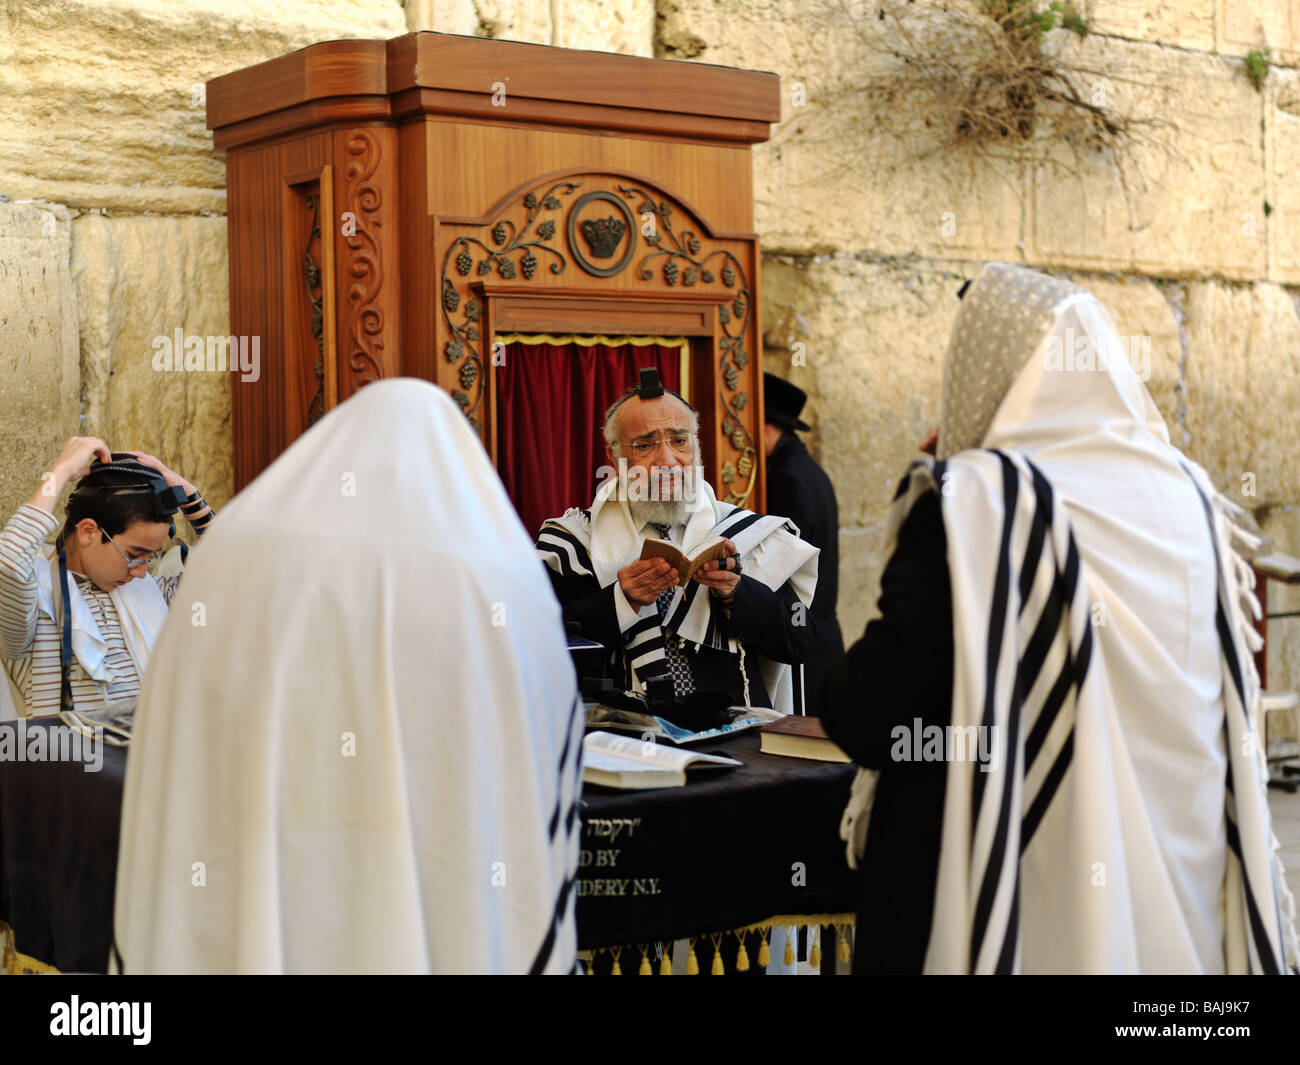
(65, 645)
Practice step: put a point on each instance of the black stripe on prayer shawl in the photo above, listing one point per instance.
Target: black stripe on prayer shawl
(998, 849)
(1047, 717)
(644, 639)
(997, 623)
(1073, 675)
(735, 523)
(564, 760)
(1037, 533)
(1058, 602)
(998, 610)
(1007, 957)
(1220, 615)
(684, 605)
(561, 557)
(1230, 652)
(1263, 946)
(543, 956)
(548, 941)
(646, 652)
(1047, 630)
(581, 564)
(640, 628)
(580, 551)
(1262, 942)
(1034, 816)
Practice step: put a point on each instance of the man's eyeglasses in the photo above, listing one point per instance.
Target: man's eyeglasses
(133, 563)
(644, 447)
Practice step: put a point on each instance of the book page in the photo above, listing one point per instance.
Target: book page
(648, 754)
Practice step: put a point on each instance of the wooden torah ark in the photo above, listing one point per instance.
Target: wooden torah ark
(395, 205)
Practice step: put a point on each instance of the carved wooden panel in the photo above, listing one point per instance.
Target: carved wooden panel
(366, 232)
(618, 241)
(310, 306)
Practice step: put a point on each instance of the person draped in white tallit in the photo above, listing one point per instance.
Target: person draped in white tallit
(1102, 798)
(358, 742)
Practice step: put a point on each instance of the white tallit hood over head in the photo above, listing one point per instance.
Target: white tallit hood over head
(1108, 841)
(358, 728)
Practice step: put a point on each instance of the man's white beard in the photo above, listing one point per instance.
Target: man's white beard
(683, 482)
(661, 512)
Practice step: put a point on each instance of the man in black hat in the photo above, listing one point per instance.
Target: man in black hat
(798, 489)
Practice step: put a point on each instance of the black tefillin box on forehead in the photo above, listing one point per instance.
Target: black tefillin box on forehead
(649, 387)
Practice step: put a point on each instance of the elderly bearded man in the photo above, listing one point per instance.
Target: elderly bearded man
(737, 625)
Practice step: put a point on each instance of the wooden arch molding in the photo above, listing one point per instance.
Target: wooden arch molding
(519, 267)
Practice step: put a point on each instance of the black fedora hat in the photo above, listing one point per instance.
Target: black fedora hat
(783, 402)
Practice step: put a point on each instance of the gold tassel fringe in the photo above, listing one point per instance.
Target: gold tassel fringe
(840, 922)
(742, 956)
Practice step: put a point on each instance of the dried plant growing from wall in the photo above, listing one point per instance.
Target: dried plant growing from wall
(996, 77)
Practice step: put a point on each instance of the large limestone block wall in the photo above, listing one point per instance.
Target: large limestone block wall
(120, 237)
(137, 279)
(102, 132)
(38, 344)
(869, 218)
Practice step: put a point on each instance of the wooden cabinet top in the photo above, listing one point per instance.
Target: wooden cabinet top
(482, 80)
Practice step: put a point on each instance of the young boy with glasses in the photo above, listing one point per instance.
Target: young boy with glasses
(81, 617)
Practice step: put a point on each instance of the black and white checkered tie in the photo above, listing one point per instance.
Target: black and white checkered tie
(678, 666)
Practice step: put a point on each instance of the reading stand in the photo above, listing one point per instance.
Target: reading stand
(396, 207)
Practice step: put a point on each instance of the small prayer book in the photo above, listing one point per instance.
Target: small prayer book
(685, 565)
(795, 736)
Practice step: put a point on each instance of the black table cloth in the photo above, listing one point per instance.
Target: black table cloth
(727, 850)
(59, 829)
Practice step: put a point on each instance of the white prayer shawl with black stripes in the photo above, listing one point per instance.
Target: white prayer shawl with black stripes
(1101, 635)
(364, 756)
(603, 540)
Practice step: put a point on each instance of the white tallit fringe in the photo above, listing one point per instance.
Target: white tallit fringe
(1245, 607)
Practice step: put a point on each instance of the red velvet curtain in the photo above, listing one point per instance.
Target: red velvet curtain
(551, 403)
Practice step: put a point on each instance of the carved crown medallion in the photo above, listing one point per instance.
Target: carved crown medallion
(603, 235)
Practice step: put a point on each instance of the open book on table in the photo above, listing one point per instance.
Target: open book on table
(622, 762)
(741, 719)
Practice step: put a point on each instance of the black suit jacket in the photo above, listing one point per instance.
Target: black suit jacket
(763, 620)
(798, 489)
(900, 670)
